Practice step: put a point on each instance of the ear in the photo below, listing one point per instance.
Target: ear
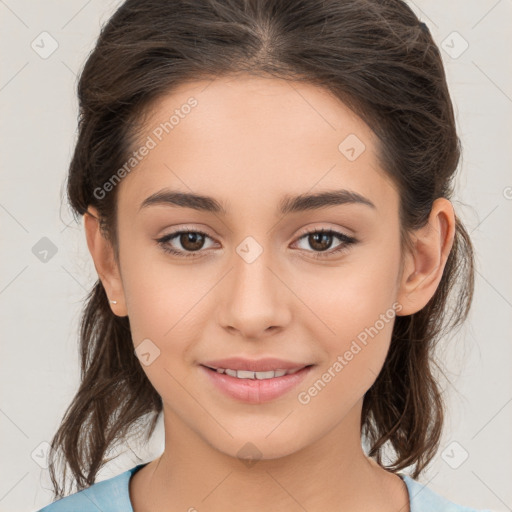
(102, 254)
(424, 264)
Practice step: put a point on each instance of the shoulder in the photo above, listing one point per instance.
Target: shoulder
(424, 499)
(110, 495)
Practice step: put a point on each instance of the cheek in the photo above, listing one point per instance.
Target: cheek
(352, 296)
(165, 313)
(158, 293)
(354, 312)
(355, 349)
(169, 305)
(165, 307)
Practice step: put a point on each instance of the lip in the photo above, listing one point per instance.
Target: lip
(254, 365)
(255, 391)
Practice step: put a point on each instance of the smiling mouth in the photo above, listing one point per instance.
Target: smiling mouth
(247, 374)
(255, 387)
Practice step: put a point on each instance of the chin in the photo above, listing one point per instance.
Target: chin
(252, 448)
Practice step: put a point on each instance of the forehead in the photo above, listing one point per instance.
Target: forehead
(252, 138)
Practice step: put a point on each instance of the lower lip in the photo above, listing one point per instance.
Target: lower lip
(255, 391)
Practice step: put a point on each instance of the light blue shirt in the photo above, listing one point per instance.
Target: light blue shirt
(113, 495)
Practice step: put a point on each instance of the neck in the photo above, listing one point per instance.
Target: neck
(331, 473)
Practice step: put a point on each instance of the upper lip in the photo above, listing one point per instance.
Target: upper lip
(254, 365)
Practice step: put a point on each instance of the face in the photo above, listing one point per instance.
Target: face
(239, 275)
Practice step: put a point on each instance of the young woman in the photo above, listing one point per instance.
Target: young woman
(265, 187)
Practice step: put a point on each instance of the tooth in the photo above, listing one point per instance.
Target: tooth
(264, 375)
(244, 374)
(247, 374)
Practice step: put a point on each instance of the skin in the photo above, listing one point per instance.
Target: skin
(247, 143)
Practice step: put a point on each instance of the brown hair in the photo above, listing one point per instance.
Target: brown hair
(377, 58)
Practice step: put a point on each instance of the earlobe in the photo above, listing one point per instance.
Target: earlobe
(102, 254)
(424, 263)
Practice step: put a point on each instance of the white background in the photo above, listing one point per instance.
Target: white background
(40, 302)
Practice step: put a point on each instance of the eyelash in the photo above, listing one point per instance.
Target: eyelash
(347, 242)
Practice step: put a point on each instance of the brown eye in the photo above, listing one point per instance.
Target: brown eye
(191, 240)
(188, 242)
(320, 241)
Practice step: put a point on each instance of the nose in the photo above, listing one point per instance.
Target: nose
(254, 300)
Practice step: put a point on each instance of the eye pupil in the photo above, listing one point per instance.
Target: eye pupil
(319, 241)
(189, 241)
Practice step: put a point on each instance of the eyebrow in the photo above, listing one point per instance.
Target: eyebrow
(289, 204)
